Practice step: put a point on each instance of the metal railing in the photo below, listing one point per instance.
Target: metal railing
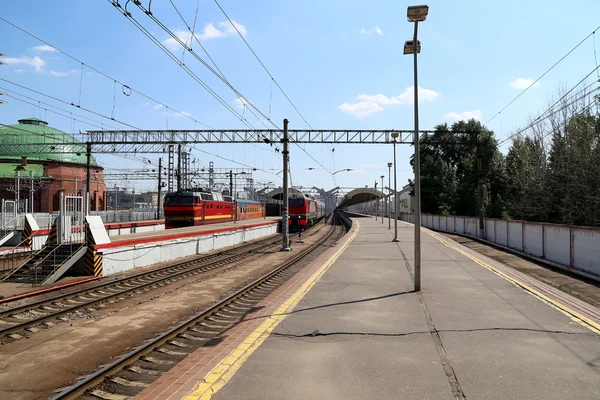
(16, 257)
(58, 256)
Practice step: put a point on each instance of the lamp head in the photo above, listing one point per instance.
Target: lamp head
(390, 165)
(417, 13)
(409, 47)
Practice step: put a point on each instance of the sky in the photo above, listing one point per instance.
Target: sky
(340, 63)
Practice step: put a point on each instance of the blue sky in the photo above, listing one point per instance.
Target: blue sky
(340, 62)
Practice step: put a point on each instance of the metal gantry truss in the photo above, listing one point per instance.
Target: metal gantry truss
(159, 141)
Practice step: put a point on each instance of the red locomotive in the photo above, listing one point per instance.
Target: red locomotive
(304, 211)
(201, 208)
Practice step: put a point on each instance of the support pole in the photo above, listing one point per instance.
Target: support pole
(395, 198)
(387, 203)
(284, 212)
(480, 189)
(31, 190)
(88, 155)
(383, 209)
(179, 167)
(231, 193)
(159, 188)
(417, 173)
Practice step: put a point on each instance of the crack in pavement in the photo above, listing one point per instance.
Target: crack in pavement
(317, 333)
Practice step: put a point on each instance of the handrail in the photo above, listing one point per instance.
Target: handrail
(53, 253)
(10, 255)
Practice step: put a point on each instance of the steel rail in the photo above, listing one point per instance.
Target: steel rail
(206, 263)
(80, 388)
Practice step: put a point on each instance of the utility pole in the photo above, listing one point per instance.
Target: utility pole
(395, 136)
(234, 206)
(159, 188)
(18, 191)
(179, 168)
(480, 187)
(387, 208)
(88, 154)
(31, 190)
(382, 197)
(284, 214)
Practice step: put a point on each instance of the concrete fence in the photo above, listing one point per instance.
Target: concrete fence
(575, 248)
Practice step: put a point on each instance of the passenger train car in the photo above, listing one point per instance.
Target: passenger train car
(304, 211)
(202, 207)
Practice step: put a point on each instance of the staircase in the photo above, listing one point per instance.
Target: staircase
(47, 265)
(5, 234)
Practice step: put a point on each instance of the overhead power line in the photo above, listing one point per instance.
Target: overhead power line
(544, 74)
(125, 86)
(193, 53)
(543, 115)
(263, 65)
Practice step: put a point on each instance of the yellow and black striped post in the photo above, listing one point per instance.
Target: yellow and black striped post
(26, 236)
(53, 234)
(92, 260)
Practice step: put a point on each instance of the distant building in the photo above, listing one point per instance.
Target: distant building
(47, 174)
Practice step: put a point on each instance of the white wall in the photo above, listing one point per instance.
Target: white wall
(124, 258)
(573, 247)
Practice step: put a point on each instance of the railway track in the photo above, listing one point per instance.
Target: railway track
(40, 313)
(129, 374)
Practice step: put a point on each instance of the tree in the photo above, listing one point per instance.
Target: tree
(449, 173)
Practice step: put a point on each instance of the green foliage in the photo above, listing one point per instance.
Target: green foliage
(551, 176)
(449, 173)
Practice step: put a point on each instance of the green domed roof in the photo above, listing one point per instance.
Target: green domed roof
(33, 130)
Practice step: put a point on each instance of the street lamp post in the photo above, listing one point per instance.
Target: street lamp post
(387, 203)
(341, 170)
(416, 14)
(382, 211)
(395, 136)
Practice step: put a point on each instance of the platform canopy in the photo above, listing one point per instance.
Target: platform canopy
(277, 194)
(360, 195)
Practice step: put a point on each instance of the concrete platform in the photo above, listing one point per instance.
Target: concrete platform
(193, 230)
(361, 333)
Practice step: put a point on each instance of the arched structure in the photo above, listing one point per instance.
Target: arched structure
(360, 195)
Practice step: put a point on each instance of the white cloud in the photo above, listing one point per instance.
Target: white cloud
(18, 71)
(406, 97)
(465, 115)
(374, 30)
(45, 47)
(61, 73)
(522, 83)
(223, 29)
(361, 109)
(157, 106)
(372, 103)
(145, 104)
(35, 62)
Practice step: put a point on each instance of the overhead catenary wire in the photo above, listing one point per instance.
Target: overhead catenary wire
(273, 80)
(544, 74)
(542, 115)
(192, 52)
(146, 96)
(70, 104)
(157, 42)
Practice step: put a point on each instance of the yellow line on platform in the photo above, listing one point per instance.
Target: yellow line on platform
(223, 372)
(573, 314)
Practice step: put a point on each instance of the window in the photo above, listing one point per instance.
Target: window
(295, 202)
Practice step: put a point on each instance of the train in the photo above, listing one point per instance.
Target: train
(304, 211)
(193, 208)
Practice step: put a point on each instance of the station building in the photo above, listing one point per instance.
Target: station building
(46, 175)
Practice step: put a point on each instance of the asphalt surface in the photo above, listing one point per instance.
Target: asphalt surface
(362, 333)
